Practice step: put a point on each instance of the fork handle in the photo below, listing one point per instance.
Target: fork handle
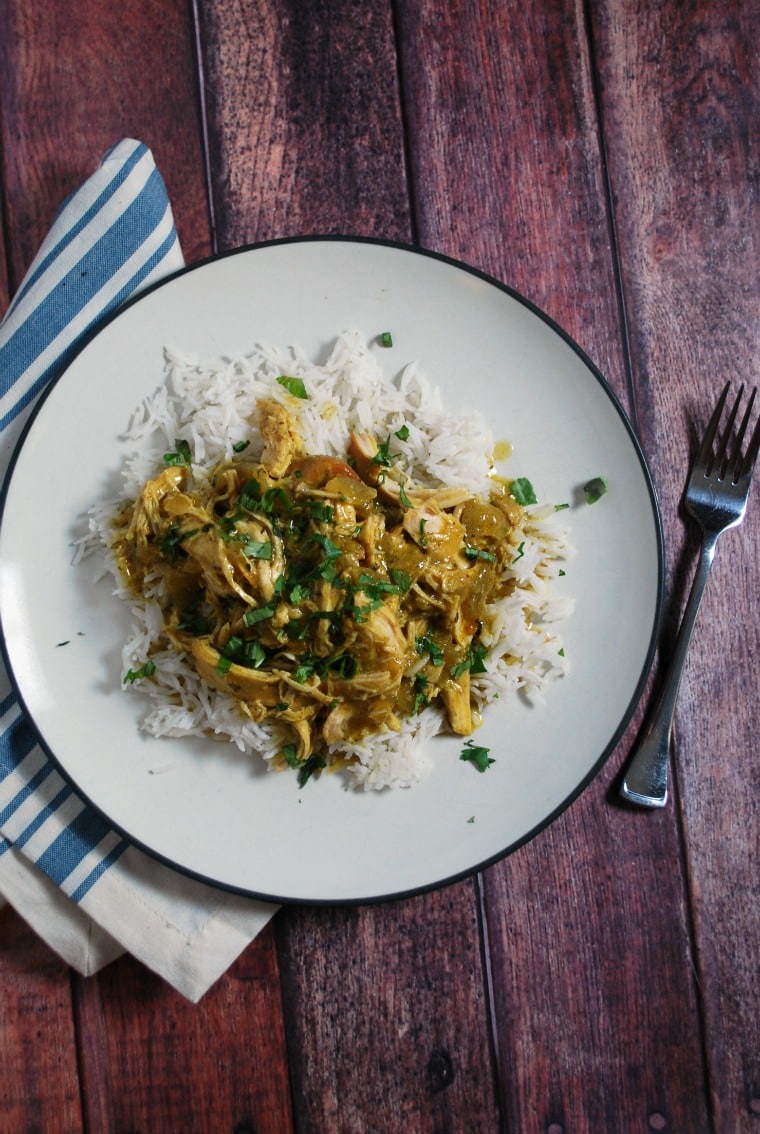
(646, 778)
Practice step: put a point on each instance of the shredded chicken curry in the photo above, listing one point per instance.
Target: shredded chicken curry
(330, 595)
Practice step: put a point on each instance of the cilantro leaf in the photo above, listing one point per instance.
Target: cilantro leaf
(133, 675)
(294, 386)
(181, 456)
(477, 755)
(522, 491)
(595, 489)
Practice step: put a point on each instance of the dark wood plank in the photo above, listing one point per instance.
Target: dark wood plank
(505, 160)
(681, 106)
(608, 1033)
(388, 1028)
(152, 1061)
(4, 290)
(305, 131)
(76, 79)
(40, 1088)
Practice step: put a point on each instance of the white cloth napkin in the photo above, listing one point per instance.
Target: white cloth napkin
(79, 884)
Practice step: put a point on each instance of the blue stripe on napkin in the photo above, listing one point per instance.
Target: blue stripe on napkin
(65, 793)
(15, 743)
(83, 216)
(110, 239)
(102, 865)
(72, 845)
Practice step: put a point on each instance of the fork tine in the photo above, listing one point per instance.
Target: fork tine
(722, 459)
(747, 465)
(704, 453)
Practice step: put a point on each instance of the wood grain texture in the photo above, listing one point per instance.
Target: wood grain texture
(388, 1017)
(682, 111)
(77, 78)
(505, 157)
(4, 290)
(151, 1060)
(40, 1086)
(305, 132)
(570, 915)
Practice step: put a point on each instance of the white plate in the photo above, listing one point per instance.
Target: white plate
(205, 807)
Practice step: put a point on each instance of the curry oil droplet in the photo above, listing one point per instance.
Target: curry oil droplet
(502, 450)
(440, 1070)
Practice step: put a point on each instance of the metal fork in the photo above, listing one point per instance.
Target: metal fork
(716, 497)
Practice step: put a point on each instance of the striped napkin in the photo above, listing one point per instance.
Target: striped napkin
(79, 884)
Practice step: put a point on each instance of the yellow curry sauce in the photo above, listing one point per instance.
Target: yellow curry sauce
(332, 596)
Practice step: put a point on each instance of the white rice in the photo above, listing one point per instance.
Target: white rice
(213, 406)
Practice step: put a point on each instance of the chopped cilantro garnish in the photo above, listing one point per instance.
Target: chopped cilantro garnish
(328, 571)
(478, 553)
(240, 446)
(560, 507)
(383, 456)
(405, 501)
(386, 339)
(271, 499)
(133, 675)
(477, 755)
(399, 584)
(290, 752)
(253, 655)
(522, 491)
(169, 544)
(228, 654)
(345, 665)
(426, 645)
(258, 614)
(257, 549)
(402, 433)
(472, 661)
(420, 688)
(294, 386)
(520, 552)
(181, 456)
(192, 621)
(331, 550)
(298, 593)
(400, 579)
(250, 495)
(305, 670)
(595, 489)
(319, 510)
(315, 763)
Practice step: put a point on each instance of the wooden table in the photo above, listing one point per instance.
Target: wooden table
(602, 158)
